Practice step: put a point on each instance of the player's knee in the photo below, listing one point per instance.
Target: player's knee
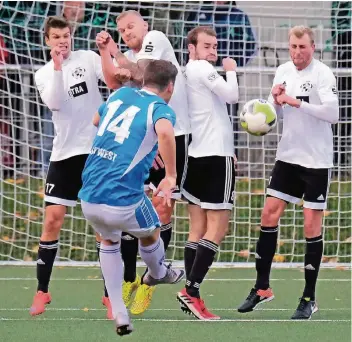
(151, 239)
(216, 233)
(53, 223)
(196, 234)
(225, 230)
(218, 223)
(311, 231)
(146, 241)
(271, 215)
(313, 224)
(197, 231)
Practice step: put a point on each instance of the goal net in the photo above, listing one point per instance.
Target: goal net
(258, 42)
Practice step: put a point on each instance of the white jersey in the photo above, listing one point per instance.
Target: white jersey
(208, 92)
(157, 46)
(307, 137)
(73, 96)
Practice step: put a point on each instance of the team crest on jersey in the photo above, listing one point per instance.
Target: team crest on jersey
(78, 72)
(306, 87)
(334, 90)
(213, 76)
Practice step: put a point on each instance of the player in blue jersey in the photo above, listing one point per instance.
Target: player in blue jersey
(134, 124)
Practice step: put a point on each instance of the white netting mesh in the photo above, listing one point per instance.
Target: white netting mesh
(259, 45)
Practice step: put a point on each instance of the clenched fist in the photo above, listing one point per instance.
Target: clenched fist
(229, 64)
(57, 56)
(102, 39)
(105, 41)
(122, 75)
(278, 90)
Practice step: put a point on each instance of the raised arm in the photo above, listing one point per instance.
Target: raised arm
(115, 76)
(51, 89)
(108, 50)
(155, 43)
(226, 90)
(134, 68)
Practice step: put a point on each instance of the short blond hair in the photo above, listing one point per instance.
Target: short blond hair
(126, 13)
(300, 31)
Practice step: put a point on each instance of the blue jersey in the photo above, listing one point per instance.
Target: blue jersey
(124, 147)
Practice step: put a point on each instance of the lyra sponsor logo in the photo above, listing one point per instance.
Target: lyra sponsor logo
(78, 89)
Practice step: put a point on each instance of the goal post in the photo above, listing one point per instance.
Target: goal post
(26, 130)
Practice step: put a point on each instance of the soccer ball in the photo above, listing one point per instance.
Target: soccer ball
(258, 117)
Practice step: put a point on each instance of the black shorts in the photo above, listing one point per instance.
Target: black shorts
(64, 180)
(210, 182)
(156, 176)
(291, 183)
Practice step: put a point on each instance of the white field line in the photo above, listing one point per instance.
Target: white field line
(165, 309)
(84, 265)
(96, 278)
(180, 320)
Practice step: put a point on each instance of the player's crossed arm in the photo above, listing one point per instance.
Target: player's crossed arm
(328, 110)
(278, 89)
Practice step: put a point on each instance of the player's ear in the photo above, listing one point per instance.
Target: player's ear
(191, 48)
(170, 87)
(47, 41)
(145, 26)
